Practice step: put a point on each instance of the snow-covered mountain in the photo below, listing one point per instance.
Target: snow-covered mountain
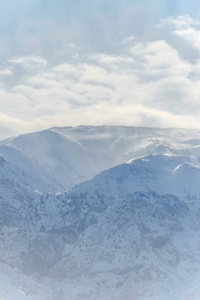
(130, 232)
(58, 158)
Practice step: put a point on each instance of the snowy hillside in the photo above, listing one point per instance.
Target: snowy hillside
(131, 232)
(58, 158)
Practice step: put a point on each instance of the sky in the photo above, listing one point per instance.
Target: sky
(99, 62)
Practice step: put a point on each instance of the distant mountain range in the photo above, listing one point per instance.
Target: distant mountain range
(100, 213)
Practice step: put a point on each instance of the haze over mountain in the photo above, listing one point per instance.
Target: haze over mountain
(58, 158)
(100, 213)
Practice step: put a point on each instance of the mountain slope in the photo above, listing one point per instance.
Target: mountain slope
(131, 232)
(58, 158)
(141, 242)
(110, 236)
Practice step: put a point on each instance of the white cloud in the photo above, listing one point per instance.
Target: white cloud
(28, 61)
(10, 126)
(190, 35)
(148, 83)
(6, 72)
(72, 46)
(179, 22)
(186, 28)
(128, 39)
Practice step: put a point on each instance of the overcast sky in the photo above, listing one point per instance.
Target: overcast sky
(95, 62)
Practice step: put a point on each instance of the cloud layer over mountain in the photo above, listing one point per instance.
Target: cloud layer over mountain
(123, 65)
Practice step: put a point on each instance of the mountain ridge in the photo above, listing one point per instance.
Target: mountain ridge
(128, 229)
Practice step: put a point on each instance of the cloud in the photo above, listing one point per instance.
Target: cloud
(128, 39)
(180, 22)
(10, 126)
(190, 35)
(6, 72)
(147, 83)
(185, 28)
(28, 61)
